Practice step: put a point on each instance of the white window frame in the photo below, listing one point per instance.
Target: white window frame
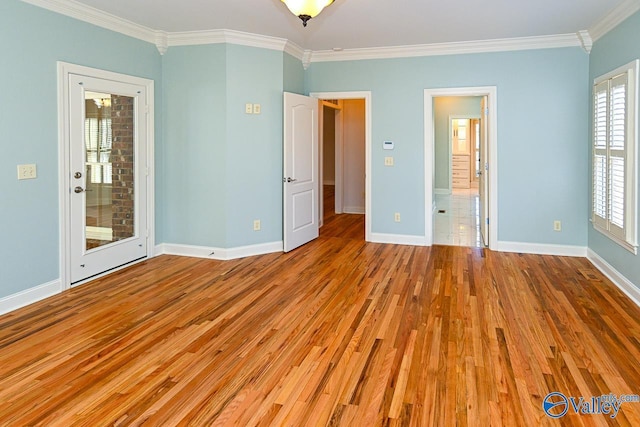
(603, 219)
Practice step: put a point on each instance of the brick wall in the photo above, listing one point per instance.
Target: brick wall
(122, 159)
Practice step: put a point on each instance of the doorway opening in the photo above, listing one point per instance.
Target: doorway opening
(461, 166)
(344, 139)
(458, 140)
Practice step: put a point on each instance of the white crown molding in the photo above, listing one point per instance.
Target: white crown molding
(585, 39)
(457, 48)
(190, 38)
(163, 40)
(294, 50)
(613, 18)
(97, 17)
(306, 58)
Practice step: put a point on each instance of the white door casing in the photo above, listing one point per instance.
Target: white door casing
(339, 169)
(300, 170)
(483, 185)
(492, 147)
(77, 263)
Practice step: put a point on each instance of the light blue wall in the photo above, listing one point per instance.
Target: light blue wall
(542, 126)
(254, 145)
(192, 190)
(223, 167)
(293, 75)
(32, 40)
(443, 108)
(615, 49)
(218, 169)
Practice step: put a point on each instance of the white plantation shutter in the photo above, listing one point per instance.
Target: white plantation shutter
(617, 153)
(614, 144)
(600, 168)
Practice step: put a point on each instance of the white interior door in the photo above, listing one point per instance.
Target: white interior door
(300, 174)
(107, 175)
(483, 184)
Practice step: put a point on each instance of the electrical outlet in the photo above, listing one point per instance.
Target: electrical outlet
(27, 172)
(388, 161)
(257, 108)
(256, 225)
(396, 217)
(248, 108)
(557, 225)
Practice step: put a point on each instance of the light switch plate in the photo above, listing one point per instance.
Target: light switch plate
(257, 108)
(388, 161)
(248, 108)
(27, 171)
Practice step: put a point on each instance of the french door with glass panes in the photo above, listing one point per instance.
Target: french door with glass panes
(108, 168)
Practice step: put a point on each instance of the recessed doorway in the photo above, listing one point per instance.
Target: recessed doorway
(486, 170)
(344, 138)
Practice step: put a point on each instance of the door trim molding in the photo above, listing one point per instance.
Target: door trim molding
(366, 95)
(429, 153)
(64, 176)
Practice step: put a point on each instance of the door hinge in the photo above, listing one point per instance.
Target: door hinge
(487, 221)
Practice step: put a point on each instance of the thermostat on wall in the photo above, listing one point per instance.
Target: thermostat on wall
(387, 145)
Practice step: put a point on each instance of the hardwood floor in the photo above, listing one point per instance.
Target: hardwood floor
(337, 332)
(349, 226)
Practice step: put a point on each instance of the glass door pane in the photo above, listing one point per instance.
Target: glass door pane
(109, 168)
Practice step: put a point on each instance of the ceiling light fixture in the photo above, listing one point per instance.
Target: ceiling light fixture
(306, 9)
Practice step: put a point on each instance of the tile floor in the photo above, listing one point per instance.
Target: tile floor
(460, 224)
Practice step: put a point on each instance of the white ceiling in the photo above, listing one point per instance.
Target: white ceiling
(353, 24)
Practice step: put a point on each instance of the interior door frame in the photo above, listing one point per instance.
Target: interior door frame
(491, 92)
(366, 95)
(337, 112)
(64, 171)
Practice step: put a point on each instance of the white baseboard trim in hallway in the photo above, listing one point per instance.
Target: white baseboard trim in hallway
(222, 254)
(398, 239)
(542, 249)
(618, 279)
(29, 296)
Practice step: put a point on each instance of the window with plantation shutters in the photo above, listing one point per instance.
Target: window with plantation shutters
(614, 146)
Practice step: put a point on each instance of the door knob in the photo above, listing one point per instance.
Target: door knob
(289, 179)
(78, 189)
(77, 175)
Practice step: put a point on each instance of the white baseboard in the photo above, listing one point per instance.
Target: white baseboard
(398, 239)
(222, 254)
(441, 191)
(29, 296)
(618, 279)
(542, 249)
(353, 210)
